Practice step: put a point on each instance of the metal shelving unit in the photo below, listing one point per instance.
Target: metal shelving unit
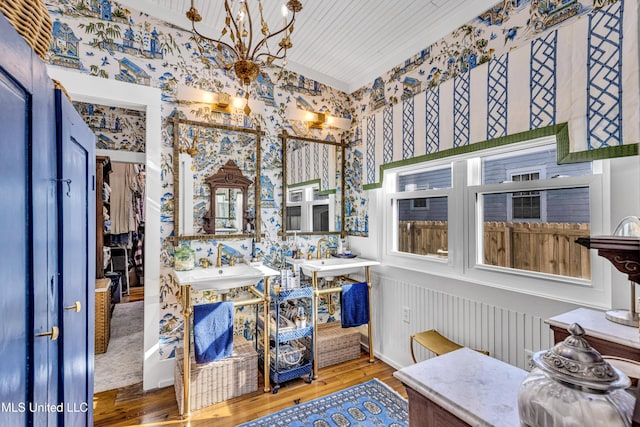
(301, 338)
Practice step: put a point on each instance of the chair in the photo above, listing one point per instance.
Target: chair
(436, 343)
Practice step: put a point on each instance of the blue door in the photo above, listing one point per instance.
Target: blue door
(76, 254)
(28, 226)
(14, 257)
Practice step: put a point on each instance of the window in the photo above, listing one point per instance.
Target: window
(296, 195)
(532, 223)
(422, 212)
(294, 218)
(419, 204)
(506, 217)
(525, 204)
(309, 209)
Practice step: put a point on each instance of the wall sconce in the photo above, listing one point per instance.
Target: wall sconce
(218, 102)
(318, 120)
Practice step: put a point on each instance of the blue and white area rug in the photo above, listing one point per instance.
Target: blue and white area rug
(371, 404)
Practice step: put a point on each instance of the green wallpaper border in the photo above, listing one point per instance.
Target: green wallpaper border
(312, 182)
(561, 132)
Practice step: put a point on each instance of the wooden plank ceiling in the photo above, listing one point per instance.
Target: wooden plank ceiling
(343, 43)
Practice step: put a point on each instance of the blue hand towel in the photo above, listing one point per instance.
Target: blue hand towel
(354, 304)
(213, 331)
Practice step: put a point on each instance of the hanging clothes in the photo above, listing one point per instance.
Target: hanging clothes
(140, 194)
(123, 183)
(138, 256)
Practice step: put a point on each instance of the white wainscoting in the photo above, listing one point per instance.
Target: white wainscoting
(505, 333)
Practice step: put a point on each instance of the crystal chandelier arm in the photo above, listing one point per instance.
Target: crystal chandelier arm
(264, 40)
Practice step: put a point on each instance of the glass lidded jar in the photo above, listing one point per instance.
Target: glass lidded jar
(571, 385)
(184, 258)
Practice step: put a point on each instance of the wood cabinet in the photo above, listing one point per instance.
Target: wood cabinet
(462, 388)
(423, 411)
(604, 346)
(609, 338)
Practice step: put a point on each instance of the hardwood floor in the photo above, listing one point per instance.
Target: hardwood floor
(131, 406)
(136, 293)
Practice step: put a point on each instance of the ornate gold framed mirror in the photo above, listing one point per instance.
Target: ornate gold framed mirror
(313, 181)
(216, 181)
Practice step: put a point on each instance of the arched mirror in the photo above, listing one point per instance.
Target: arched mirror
(216, 183)
(313, 179)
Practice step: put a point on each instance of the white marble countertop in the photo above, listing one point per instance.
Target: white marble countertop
(478, 389)
(596, 325)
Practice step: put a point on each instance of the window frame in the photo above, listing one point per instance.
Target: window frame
(542, 172)
(286, 219)
(306, 207)
(464, 242)
(413, 207)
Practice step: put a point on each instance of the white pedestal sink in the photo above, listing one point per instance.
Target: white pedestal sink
(223, 278)
(331, 267)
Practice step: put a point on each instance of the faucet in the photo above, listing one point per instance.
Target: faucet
(222, 248)
(319, 253)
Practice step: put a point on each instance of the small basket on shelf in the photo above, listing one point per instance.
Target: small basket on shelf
(290, 355)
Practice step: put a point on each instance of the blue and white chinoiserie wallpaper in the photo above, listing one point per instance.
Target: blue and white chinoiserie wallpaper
(518, 67)
(466, 88)
(116, 128)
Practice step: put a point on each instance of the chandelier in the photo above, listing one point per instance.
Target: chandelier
(245, 57)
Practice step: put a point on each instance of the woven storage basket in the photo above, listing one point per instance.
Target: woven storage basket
(32, 21)
(220, 380)
(103, 315)
(290, 355)
(337, 344)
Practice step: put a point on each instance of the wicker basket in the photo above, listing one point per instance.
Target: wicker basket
(220, 380)
(103, 315)
(290, 355)
(337, 344)
(32, 21)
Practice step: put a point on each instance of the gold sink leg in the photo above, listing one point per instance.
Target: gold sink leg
(367, 271)
(316, 298)
(266, 334)
(186, 361)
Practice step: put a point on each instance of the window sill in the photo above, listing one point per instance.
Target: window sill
(565, 289)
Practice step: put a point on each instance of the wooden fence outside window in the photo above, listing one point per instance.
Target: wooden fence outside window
(542, 247)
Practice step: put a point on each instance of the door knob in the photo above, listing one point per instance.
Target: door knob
(53, 333)
(77, 307)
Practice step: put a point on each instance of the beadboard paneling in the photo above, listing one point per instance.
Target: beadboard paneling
(505, 333)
